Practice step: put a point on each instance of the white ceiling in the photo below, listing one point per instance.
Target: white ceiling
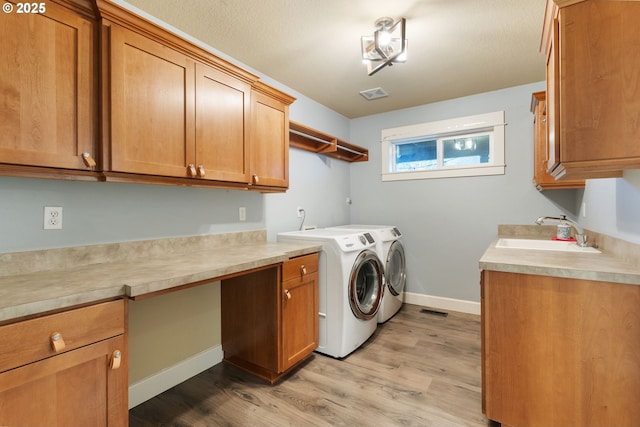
(456, 47)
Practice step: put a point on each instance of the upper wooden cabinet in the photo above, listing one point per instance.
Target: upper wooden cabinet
(222, 115)
(541, 178)
(592, 97)
(177, 114)
(48, 89)
(172, 116)
(152, 106)
(269, 146)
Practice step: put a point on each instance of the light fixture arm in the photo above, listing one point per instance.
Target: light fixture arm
(383, 49)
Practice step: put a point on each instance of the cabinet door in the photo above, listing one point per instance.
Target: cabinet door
(47, 88)
(553, 148)
(77, 388)
(152, 107)
(269, 141)
(222, 112)
(599, 74)
(542, 179)
(592, 75)
(299, 319)
(559, 351)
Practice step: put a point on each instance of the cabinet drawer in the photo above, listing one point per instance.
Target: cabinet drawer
(296, 268)
(31, 340)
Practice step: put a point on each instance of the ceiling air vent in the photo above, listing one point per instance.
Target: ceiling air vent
(374, 93)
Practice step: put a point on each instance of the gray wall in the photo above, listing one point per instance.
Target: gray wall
(448, 223)
(612, 206)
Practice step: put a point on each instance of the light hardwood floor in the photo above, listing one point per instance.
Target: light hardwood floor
(417, 369)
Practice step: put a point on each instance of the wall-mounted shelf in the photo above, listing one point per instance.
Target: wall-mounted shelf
(306, 138)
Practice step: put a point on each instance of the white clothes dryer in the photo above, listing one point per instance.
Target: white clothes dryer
(391, 252)
(350, 288)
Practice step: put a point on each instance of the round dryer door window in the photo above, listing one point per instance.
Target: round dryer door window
(365, 285)
(395, 272)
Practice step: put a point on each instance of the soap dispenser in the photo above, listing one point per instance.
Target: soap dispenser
(563, 231)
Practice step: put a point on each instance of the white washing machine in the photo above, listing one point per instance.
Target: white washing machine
(350, 289)
(391, 252)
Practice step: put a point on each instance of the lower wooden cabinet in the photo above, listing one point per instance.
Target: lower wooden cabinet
(559, 351)
(66, 369)
(270, 317)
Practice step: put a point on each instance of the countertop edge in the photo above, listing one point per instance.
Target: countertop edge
(40, 292)
(560, 264)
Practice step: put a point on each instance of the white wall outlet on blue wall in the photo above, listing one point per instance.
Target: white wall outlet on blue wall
(52, 218)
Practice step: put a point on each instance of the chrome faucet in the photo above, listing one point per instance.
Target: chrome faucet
(581, 238)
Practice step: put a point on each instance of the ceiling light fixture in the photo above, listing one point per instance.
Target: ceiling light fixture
(387, 46)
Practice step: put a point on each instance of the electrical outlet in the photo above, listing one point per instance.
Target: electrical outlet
(299, 211)
(52, 218)
(242, 214)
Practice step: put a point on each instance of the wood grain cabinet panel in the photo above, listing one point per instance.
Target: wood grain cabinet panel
(269, 147)
(559, 351)
(222, 112)
(173, 116)
(152, 106)
(270, 324)
(48, 89)
(593, 95)
(176, 111)
(83, 383)
(541, 149)
(299, 310)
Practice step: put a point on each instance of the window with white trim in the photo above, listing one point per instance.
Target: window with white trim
(465, 146)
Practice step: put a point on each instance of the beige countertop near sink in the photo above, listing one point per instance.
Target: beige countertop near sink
(618, 262)
(38, 281)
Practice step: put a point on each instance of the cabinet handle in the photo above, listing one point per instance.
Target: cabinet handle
(201, 171)
(191, 170)
(116, 357)
(255, 178)
(88, 160)
(287, 294)
(303, 270)
(57, 342)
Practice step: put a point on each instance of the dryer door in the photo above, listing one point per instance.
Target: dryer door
(395, 268)
(365, 285)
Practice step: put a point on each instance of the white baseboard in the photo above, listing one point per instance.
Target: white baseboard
(443, 303)
(157, 383)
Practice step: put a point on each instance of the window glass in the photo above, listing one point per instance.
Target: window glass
(421, 155)
(464, 146)
(471, 150)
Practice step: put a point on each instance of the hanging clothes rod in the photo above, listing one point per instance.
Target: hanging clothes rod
(311, 137)
(342, 147)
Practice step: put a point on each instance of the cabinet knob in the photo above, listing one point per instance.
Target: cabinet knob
(303, 270)
(287, 294)
(191, 170)
(57, 342)
(255, 178)
(201, 171)
(88, 160)
(116, 358)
